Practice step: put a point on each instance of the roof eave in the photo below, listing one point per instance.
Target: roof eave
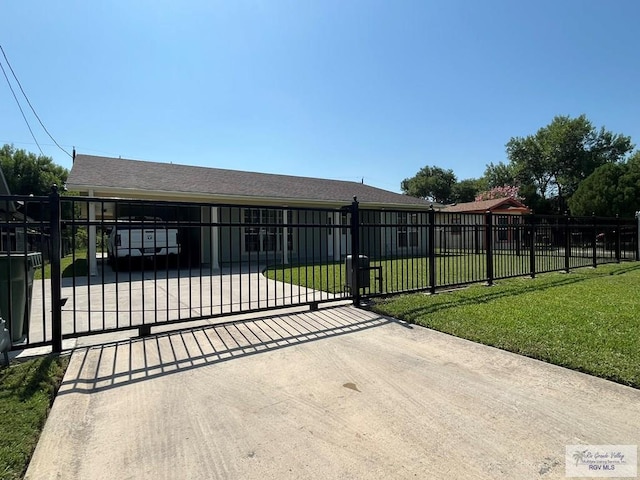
(123, 193)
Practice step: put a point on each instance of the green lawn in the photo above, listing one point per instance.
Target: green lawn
(413, 273)
(586, 320)
(69, 265)
(27, 389)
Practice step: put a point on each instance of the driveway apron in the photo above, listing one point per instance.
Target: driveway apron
(330, 394)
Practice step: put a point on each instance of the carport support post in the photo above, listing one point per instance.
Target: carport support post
(432, 249)
(56, 270)
(215, 239)
(355, 252)
(91, 247)
(285, 237)
(489, 245)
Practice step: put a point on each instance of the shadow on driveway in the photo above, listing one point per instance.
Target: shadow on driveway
(112, 365)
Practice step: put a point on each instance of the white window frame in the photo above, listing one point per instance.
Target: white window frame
(407, 234)
(268, 228)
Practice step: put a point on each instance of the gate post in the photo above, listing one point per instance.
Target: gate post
(355, 252)
(56, 271)
(489, 245)
(432, 250)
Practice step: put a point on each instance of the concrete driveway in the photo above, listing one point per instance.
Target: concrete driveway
(128, 299)
(332, 394)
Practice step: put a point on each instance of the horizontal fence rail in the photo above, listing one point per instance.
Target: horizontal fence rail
(72, 266)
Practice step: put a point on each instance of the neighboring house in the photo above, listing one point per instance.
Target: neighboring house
(257, 199)
(471, 218)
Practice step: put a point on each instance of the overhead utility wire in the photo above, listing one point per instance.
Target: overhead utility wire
(28, 102)
(20, 107)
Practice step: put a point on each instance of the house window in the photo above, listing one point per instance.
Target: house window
(264, 230)
(503, 232)
(345, 221)
(407, 230)
(456, 225)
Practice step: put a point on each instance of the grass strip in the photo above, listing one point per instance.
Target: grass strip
(27, 389)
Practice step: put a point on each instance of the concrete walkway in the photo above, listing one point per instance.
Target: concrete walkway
(332, 394)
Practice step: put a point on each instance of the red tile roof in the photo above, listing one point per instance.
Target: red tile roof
(497, 204)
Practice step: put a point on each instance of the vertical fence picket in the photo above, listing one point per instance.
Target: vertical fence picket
(56, 271)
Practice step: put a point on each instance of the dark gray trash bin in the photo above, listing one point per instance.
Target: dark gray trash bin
(364, 278)
(16, 288)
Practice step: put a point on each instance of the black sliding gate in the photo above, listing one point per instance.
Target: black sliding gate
(196, 261)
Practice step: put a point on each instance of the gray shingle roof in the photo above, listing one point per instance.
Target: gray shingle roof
(115, 173)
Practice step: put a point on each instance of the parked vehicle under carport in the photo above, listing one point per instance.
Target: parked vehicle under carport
(142, 239)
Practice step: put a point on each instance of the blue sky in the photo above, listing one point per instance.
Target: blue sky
(334, 89)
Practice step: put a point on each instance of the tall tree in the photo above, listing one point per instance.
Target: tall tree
(499, 175)
(431, 183)
(559, 156)
(612, 189)
(466, 190)
(28, 174)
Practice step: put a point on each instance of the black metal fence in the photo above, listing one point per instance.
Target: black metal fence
(437, 249)
(108, 265)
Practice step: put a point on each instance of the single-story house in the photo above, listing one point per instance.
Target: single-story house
(471, 218)
(258, 198)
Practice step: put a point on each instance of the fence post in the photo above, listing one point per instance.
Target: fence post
(355, 252)
(432, 250)
(618, 238)
(56, 271)
(489, 245)
(594, 240)
(567, 243)
(532, 249)
(637, 235)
